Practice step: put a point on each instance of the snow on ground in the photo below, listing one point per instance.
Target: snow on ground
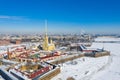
(82, 69)
(102, 68)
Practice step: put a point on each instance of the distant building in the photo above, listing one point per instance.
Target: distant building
(18, 41)
(4, 42)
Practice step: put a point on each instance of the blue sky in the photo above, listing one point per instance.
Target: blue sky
(91, 16)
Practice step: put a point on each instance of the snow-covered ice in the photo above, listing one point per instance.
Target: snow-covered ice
(107, 39)
(102, 68)
(113, 71)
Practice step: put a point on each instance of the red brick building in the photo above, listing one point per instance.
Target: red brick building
(4, 42)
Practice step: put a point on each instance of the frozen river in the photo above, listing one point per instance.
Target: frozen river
(102, 68)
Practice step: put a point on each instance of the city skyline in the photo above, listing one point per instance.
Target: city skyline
(63, 16)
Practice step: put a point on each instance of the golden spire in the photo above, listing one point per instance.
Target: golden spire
(46, 27)
(46, 45)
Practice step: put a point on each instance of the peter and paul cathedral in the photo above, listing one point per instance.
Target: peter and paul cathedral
(47, 46)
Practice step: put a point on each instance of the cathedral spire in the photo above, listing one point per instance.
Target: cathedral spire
(46, 27)
(46, 45)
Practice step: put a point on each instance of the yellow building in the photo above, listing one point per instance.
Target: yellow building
(48, 46)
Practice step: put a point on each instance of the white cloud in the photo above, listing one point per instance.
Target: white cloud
(4, 17)
(12, 17)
